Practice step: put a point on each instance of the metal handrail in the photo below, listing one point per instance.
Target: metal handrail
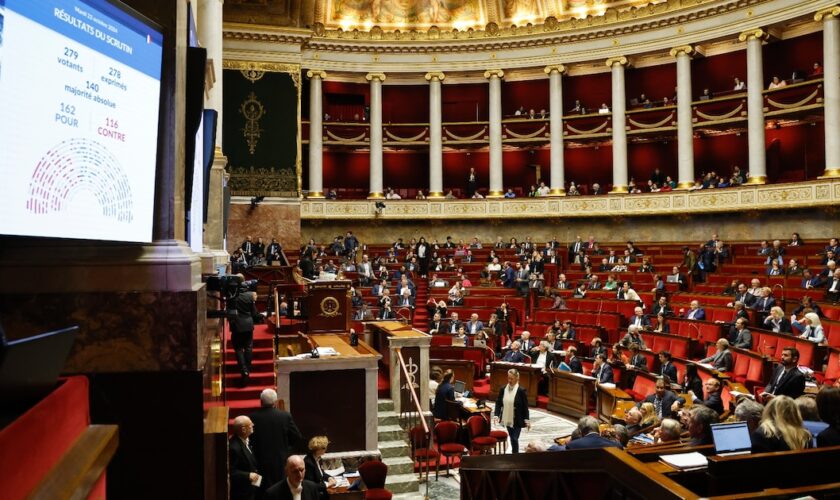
(408, 417)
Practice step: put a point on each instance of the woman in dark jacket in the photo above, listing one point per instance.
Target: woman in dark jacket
(512, 409)
(317, 448)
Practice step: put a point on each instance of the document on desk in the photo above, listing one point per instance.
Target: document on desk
(685, 461)
(326, 351)
(335, 472)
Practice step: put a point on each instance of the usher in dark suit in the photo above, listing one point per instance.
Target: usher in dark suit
(281, 491)
(242, 464)
(275, 437)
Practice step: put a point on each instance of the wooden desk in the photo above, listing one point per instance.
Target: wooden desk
(343, 494)
(608, 398)
(389, 337)
(570, 393)
(463, 369)
(529, 377)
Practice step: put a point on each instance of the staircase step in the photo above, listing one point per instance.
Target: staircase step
(402, 483)
(399, 465)
(395, 448)
(259, 353)
(390, 433)
(388, 418)
(257, 365)
(386, 405)
(260, 379)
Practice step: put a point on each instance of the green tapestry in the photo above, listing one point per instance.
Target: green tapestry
(260, 130)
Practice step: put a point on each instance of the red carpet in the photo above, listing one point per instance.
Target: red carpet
(244, 400)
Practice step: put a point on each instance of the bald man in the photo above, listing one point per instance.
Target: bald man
(244, 475)
(294, 487)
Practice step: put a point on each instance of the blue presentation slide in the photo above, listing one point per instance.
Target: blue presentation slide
(79, 96)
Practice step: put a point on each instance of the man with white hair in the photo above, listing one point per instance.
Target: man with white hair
(633, 337)
(275, 437)
(514, 355)
(294, 487)
(244, 471)
(639, 319)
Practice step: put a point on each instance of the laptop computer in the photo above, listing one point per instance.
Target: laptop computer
(480, 343)
(731, 438)
(459, 386)
(672, 278)
(29, 369)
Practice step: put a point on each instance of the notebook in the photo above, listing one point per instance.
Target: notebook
(731, 438)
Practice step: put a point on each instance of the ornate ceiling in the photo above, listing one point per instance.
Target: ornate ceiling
(407, 15)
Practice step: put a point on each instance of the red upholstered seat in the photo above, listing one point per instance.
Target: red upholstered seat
(422, 451)
(501, 440)
(446, 435)
(373, 474)
(479, 433)
(451, 448)
(378, 494)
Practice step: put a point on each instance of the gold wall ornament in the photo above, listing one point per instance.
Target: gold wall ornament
(827, 13)
(683, 49)
(494, 72)
(252, 75)
(622, 60)
(438, 75)
(758, 33)
(251, 181)
(330, 307)
(560, 68)
(253, 110)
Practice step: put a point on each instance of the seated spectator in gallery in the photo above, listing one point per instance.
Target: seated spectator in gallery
(604, 109)
(596, 189)
(578, 108)
(509, 193)
(816, 70)
(740, 85)
(776, 83)
(573, 190)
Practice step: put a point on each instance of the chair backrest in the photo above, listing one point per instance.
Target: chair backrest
(374, 474)
(418, 438)
(477, 426)
(446, 432)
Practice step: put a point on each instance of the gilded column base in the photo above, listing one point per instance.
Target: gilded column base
(557, 192)
(684, 186)
(376, 196)
(496, 194)
(435, 194)
(619, 190)
(830, 173)
(758, 179)
(316, 195)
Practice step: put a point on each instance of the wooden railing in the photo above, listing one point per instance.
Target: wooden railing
(415, 417)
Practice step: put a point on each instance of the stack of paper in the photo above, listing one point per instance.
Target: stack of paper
(685, 461)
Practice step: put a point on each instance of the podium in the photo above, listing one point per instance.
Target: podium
(569, 393)
(529, 377)
(328, 306)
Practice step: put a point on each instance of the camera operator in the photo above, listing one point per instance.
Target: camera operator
(242, 312)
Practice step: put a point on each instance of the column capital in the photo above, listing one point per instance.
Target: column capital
(316, 73)
(622, 60)
(435, 75)
(375, 76)
(683, 49)
(560, 68)
(827, 13)
(494, 72)
(757, 33)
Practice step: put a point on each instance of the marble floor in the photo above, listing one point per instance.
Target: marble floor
(545, 427)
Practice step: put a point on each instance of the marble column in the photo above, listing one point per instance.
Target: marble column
(209, 20)
(555, 87)
(316, 134)
(755, 106)
(831, 86)
(496, 177)
(375, 80)
(435, 80)
(619, 127)
(685, 126)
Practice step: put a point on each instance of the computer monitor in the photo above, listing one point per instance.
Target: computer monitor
(731, 438)
(460, 386)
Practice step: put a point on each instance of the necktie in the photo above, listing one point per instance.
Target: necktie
(657, 404)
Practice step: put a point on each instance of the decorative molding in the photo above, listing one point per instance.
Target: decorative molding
(494, 72)
(375, 76)
(555, 67)
(683, 49)
(261, 66)
(622, 60)
(312, 73)
(827, 13)
(752, 197)
(757, 33)
(435, 75)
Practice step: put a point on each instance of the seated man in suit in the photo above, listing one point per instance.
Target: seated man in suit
(662, 307)
(633, 337)
(666, 367)
(436, 324)
(639, 319)
(663, 399)
(525, 342)
(637, 361)
(786, 379)
(699, 420)
(713, 400)
(743, 337)
(566, 331)
(474, 325)
(742, 296)
(294, 486)
(514, 355)
(574, 363)
(602, 371)
(454, 324)
(721, 360)
(590, 437)
(695, 311)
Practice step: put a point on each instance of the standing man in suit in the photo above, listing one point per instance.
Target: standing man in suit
(272, 253)
(666, 367)
(602, 371)
(242, 311)
(721, 360)
(575, 248)
(244, 472)
(512, 409)
(294, 486)
(786, 379)
(662, 399)
(275, 437)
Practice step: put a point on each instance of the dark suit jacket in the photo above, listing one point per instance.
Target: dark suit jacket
(713, 401)
(242, 464)
(643, 321)
(591, 440)
(670, 371)
(791, 384)
(575, 365)
(445, 392)
(314, 474)
(246, 310)
(281, 491)
(667, 400)
(275, 437)
(520, 406)
(639, 361)
(605, 375)
(514, 357)
(699, 315)
(720, 360)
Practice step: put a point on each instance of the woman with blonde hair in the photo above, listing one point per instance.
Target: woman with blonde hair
(811, 327)
(781, 428)
(648, 415)
(776, 321)
(317, 447)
